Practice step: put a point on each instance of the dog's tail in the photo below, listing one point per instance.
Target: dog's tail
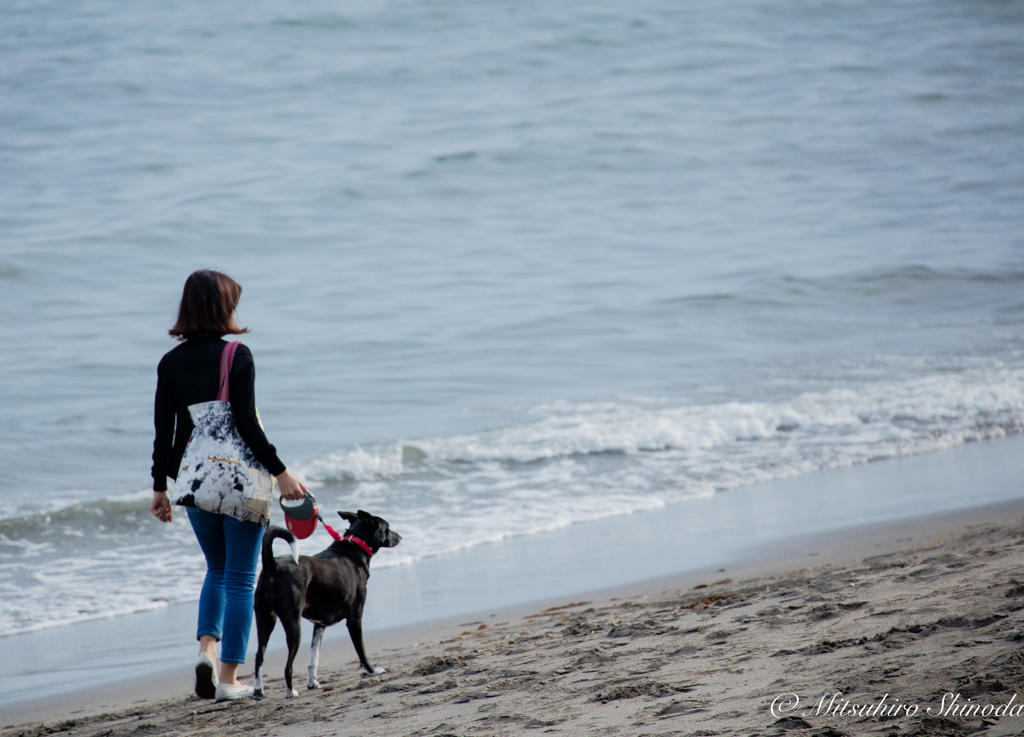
(274, 533)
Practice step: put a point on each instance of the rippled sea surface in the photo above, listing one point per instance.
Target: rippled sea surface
(508, 266)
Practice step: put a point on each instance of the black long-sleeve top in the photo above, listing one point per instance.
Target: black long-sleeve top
(188, 374)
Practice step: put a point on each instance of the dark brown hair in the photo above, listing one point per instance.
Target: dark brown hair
(207, 307)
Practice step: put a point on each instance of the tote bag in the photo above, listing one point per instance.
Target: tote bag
(219, 472)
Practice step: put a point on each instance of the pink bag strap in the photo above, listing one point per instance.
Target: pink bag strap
(227, 356)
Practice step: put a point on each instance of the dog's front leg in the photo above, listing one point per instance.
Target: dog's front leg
(257, 686)
(314, 656)
(355, 630)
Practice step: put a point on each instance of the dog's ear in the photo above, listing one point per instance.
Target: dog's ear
(367, 517)
(348, 517)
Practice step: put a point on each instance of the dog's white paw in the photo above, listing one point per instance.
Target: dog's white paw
(377, 671)
(293, 694)
(313, 683)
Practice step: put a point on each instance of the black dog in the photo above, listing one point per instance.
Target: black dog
(324, 588)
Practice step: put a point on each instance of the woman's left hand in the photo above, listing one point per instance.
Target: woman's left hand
(161, 506)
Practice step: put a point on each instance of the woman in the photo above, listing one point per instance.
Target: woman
(189, 374)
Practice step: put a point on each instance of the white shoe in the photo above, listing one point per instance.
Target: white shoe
(232, 691)
(206, 677)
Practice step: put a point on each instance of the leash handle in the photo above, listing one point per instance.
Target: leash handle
(227, 357)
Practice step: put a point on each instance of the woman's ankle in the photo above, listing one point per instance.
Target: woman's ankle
(208, 645)
(229, 673)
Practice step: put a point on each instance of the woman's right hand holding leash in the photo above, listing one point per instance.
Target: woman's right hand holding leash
(291, 487)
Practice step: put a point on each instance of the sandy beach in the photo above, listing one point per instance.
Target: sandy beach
(907, 628)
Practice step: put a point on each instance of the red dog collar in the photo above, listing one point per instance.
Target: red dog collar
(347, 539)
(361, 543)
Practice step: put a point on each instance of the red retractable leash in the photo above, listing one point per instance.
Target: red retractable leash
(330, 530)
(301, 516)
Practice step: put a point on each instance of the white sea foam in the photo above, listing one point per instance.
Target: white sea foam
(575, 462)
(79, 577)
(356, 465)
(855, 423)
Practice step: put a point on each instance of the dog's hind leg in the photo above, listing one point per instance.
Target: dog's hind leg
(293, 635)
(265, 623)
(314, 656)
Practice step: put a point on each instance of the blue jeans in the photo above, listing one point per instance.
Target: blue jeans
(232, 548)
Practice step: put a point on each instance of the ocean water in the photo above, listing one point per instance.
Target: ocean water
(509, 267)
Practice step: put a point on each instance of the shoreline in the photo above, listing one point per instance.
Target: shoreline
(738, 534)
(807, 556)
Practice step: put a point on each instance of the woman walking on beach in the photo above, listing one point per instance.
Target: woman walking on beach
(190, 374)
